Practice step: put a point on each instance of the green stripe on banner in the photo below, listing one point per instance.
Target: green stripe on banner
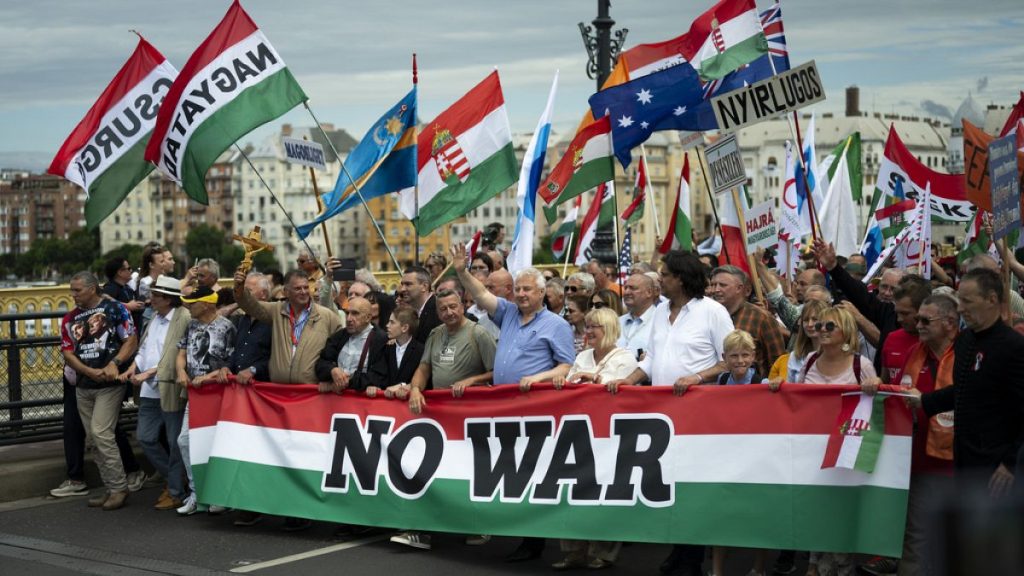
(871, 443)
(111, 187)
(254, 107)
(821, 518)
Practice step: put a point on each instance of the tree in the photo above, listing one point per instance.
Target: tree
(130, 252)
(204, 241)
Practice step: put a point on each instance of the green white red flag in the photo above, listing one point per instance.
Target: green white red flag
(726, 37)
(680, 236)
(726, 465)
(587, 162)
(856, 439)
(104, 153)
(601, 211)
(234, 82)
(635, 211)
(562, 238)
(464, 158)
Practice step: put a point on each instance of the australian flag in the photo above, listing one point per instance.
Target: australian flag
(676, 99)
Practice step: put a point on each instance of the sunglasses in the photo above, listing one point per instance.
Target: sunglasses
(925, 321)
(571, 288)
(825, 326)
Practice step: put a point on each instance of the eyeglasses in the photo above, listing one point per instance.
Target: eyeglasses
(597, 305)
(925, 321)
(825, 326)
(301, 260)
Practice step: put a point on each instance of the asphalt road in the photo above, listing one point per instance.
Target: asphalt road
(49, 537)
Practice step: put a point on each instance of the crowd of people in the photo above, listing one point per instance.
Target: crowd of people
(461, 321)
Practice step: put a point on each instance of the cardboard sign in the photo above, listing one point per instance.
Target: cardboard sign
(785, 92)
(304, 152)
(725, 164)
(976, 180)
(762, 230)
(1002, 175)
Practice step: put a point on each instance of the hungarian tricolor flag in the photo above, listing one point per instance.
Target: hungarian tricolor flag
(856, 438)
(635, 211)
(734, 250)
(587, 163)
(464, 158)
(562, 237)
(601, 211)
(680, 228)
(104, 153)
(234, 82)
(726, 37)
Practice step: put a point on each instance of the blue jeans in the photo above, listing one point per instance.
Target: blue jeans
(169, 465)
(183, 445)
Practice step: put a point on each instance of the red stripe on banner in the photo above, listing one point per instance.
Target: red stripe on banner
(465, 113)
(835, 441)
(233, 28)
(797, 409)
(142, 61)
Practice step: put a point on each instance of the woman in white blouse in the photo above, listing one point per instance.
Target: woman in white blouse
(603, 361)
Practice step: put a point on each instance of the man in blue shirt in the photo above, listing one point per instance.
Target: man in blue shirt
(534, 345)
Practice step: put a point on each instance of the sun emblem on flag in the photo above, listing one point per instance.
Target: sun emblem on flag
(448, 156)
(854, 427)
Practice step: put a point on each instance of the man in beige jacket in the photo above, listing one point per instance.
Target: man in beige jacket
(300, 328)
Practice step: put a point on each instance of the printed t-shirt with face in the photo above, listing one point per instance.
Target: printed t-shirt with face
(94, 336)
(207, 347)
(453, 357)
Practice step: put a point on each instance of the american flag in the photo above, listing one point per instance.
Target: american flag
(626, 255)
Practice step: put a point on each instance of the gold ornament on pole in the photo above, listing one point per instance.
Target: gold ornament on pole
(252, 243)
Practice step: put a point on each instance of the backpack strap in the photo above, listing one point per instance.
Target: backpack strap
(856, 367)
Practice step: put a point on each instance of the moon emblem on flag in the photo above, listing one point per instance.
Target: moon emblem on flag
(790, 185)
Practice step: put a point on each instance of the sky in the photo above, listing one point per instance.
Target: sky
(353, 58)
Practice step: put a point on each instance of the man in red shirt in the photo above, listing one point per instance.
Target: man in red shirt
(907, 300)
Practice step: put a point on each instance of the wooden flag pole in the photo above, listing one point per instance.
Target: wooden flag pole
(711, 196)
(320, 207)
(741, 216)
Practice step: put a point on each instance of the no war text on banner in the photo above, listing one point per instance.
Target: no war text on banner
(790, 90)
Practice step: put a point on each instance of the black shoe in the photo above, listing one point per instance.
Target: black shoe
(528, 549)
(297, 524)
(350, 530)
(246, 518)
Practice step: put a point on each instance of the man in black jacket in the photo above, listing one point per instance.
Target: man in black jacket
(987, 395)
(414, 292)
(354, 356)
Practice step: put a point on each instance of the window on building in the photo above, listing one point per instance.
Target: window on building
(487, 212)
(497, 211)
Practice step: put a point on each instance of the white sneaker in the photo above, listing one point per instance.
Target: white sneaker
(215, 509)
(136, 480)
(478, 539)
(70, 488)
(413, 539)
(190, 507)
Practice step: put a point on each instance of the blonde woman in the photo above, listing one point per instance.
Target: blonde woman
(603, 362)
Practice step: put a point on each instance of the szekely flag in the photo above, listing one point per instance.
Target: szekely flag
(104, 153)
(234, 82)
(465, 158)
(856, 439)
(587, 163)
(680, 236)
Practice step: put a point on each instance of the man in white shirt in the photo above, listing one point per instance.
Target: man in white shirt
(160, 403)
(686, 348)
(638, 295)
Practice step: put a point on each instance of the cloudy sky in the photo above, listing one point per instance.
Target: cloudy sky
(353, 57)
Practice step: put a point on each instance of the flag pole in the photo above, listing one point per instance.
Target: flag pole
(416, 188)
(714, 210)
(355, 186)
(615, 229)
(320, 207)
(568, 251)
(650, 191)
(281, 206)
